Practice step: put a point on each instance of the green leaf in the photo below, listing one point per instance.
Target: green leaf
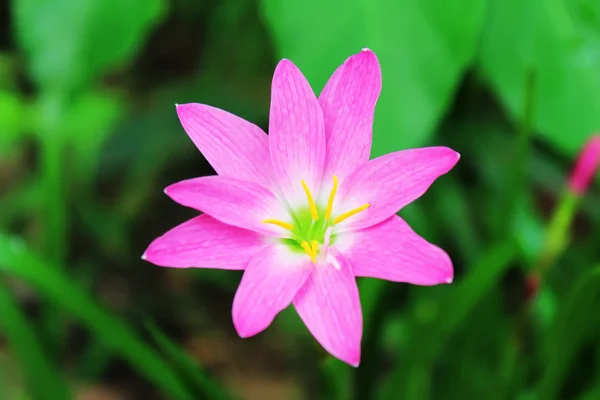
(571, 332)
(17, 260)
(69, 43)
(561, 48)
(42, 376)
(423, 46)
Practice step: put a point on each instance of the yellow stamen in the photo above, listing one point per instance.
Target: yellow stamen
(331, 197)
(311, 202)
(315, 247)
(309, 251)
(350, 213)
(284, 225)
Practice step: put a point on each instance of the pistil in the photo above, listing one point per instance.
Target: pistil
(315, 237)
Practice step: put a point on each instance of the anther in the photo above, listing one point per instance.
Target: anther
(311, 202)
(308, 249)
(284, 225)
(331, 198)
(350, 213)
(315, 247)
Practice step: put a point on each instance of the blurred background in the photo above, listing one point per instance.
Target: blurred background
(89, 138)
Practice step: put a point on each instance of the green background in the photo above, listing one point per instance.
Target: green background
(89, 138)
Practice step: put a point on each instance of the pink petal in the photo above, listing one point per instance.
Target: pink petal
(348, 102)
(296, 133)
(233, 146)
(390, 182)
(329, 305)
(270, 283)
(231, 201)
(204, 242)
(391, 250)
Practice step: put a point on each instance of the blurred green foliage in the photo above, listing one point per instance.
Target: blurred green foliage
(68, 44)
(424, 48)
(89, 137)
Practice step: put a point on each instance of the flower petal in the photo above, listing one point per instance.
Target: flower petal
(390, 182)
(329, 305)
(296, 133)
(233, 146)
(391, 250)
(232, 201)
(204, 242)
(348, 102)
(270, 283)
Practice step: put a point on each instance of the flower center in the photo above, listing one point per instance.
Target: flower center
(309, 232)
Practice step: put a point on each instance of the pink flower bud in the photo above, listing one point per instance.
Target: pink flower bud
(586, 166)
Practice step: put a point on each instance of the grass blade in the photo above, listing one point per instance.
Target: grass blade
(412, 375)
(42, 377)
(17, 260)
(187, 366)
(572, 329)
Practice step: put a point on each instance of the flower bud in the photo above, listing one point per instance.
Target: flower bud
(586, 166)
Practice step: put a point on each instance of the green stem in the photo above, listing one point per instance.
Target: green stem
(558, 232)
(518, 190)
(54, 212)
(55, 208)
(557, 239)
(517, 181)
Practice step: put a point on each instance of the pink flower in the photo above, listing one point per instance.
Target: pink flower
(303, 211)
(586, 166)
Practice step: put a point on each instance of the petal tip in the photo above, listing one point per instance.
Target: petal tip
(145, 256)
(449, 280)
(244, 335)
(243, 332)
(168, 190)
(186, 110)
(172, 194)
(354, 360)
(369, 57)
(284, 65)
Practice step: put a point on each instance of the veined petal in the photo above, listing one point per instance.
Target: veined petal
(329, 305)
(204, 242)
(348, 102)
(391, 250)
(296, 133)
(233, 146)
(390, 182)
(232, 201)
(270, 283)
